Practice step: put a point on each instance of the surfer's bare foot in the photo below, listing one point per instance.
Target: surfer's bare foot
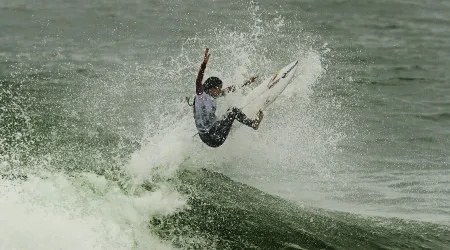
(258, 119)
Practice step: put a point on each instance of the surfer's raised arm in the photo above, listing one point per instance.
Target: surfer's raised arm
(201, 72)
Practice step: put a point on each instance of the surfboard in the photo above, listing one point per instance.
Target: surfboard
(267, 92)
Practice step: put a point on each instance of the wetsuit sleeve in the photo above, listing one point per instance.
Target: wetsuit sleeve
(229, 89)
(232, 88)
(198, 82)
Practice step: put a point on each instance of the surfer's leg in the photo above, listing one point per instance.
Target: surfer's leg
(235, 113)
(220, 130)
(217, 134)
(211, 140)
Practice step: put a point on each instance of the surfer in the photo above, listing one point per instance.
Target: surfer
(213, 132)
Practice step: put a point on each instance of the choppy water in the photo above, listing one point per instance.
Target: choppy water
(96, 141)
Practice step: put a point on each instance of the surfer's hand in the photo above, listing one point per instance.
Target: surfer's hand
(206, 58)
(258, 119)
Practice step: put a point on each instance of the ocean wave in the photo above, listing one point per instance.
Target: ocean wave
(437, 117)
(231, 215)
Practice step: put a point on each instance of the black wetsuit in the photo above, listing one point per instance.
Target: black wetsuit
(219, 131)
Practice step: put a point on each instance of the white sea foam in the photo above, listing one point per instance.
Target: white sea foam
(80, 212)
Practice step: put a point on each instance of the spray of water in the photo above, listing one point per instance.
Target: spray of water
(295, 145)
(96, 193)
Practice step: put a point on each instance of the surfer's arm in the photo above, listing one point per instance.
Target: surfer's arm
(228, 89)
(201, 72)
(232, 88)
(250, 80)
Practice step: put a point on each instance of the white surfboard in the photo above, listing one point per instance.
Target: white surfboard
(264, 95)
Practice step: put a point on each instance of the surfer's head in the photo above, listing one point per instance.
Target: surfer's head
(213, 86)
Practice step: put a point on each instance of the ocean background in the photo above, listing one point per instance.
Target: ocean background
(98, 147)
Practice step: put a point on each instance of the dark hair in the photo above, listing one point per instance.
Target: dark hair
(212, 82)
